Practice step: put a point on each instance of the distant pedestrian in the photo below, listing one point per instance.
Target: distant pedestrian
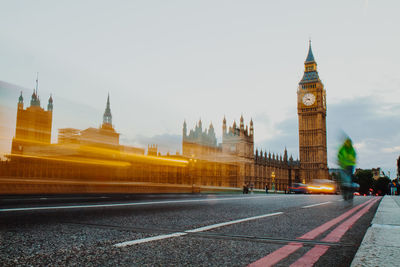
(266, 189)
(245, 188)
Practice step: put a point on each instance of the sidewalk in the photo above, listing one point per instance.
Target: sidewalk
(381, 243)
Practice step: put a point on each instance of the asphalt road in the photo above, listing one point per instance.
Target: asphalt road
(184, 230)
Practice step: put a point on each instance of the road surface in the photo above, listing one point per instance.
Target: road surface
(182, 230)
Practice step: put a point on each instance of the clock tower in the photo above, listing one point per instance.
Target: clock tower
(311, 108)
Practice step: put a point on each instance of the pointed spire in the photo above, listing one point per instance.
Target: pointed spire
(310, 69)
(285, 155)
(241, 123)
(310, 56)
(50, 104)
(251, 128)
(224, 127)
(20, 99)
(35, 101)
(107, 117)
(184, 130)
(37, 83)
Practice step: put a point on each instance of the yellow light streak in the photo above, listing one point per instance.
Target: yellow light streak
(79, 160)
(91, 153)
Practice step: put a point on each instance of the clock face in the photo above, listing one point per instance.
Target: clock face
(308, 99)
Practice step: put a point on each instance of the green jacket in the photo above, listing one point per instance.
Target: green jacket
(347, 155)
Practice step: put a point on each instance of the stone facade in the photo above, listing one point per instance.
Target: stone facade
(254, 169)
(311, 109)
(93, 160)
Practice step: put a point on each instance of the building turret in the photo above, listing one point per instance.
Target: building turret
(285, 155)
(33, 124)
(200, 125)
(50, 104)
(241, 123)
(20, 102)
(251, 128)
(224, 126)
(35, 99)
(211, 129)
(184, 130)
(107, 117)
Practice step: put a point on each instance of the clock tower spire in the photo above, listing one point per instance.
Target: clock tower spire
(311, 110)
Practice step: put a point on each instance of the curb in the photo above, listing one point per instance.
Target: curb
(381, 243)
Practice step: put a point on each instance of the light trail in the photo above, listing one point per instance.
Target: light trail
(128, 204)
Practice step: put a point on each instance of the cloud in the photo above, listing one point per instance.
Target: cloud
(374, 126)
(286, 136)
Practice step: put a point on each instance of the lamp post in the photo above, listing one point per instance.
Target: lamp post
(273, 181)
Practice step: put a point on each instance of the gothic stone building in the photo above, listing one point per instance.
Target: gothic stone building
(94, 156)
(311, 109)
(33, 124)
(259, 169)
(256, 169)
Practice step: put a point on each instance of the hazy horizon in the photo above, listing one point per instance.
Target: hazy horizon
(166, 62)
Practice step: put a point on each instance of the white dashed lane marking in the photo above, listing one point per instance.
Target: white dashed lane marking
(196, 230)
(318, 204)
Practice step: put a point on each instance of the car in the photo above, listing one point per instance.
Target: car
(298, 188)
(322, 186)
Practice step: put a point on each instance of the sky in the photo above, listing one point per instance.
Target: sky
(163, 62)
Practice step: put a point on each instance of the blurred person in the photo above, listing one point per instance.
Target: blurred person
(347, 158)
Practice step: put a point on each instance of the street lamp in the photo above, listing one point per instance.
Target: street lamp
(273, 181)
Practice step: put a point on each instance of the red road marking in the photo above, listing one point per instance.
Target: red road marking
(285, 251)
(339, 231)
(277, 255)
(313, 255)
(320, 229)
